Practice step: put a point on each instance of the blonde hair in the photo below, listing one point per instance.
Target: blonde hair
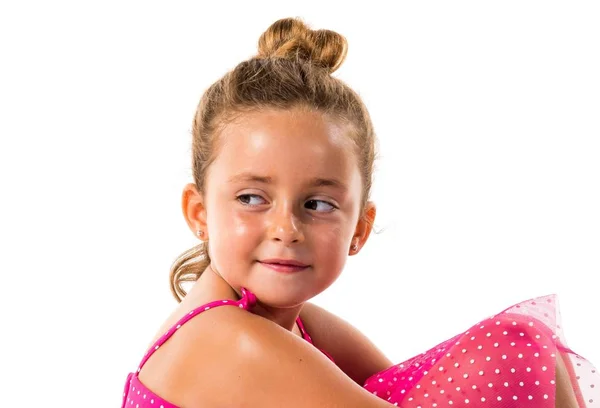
(291, 70)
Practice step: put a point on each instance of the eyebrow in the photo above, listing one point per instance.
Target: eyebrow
(315, 182)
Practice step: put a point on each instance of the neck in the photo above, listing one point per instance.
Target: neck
(285, 318)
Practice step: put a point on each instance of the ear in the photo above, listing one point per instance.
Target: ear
(363, 228)
(194, 210)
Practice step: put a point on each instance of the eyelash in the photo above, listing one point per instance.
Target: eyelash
(256, 195)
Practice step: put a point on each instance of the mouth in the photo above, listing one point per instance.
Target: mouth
(284, 265)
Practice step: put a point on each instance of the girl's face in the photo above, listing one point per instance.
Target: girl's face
(285, 185)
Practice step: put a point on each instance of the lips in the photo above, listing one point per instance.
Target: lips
(284, 265)
(287, 262)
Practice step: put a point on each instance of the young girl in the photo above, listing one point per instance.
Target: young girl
(282, 159)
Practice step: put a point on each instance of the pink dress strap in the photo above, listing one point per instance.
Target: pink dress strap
(247, 302)
(138, 395)
(307, 337)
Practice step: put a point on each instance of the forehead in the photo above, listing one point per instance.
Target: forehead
(292, 143)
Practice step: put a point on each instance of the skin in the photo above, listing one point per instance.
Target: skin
(259, 359)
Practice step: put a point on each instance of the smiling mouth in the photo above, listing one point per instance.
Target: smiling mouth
(284, 267)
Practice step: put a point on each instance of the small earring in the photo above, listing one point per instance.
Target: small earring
(354, 247)
(200, 233)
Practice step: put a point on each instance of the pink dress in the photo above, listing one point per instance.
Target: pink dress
(505, 361)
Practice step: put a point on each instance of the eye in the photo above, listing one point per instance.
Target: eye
(324, 205)
(246, 199)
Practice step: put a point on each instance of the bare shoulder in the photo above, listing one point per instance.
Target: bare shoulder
(230, 357)
(352, 351)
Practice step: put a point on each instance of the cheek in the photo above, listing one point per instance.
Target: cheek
(235, 226)
(232, 229)
(231, 239)
(334, 239)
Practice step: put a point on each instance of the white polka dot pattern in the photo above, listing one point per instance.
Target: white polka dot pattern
(505, 361)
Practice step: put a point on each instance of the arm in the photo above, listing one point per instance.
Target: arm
(230, 357)
(567, 388)
(351, 350)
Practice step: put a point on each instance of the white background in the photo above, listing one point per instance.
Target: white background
(488, 184)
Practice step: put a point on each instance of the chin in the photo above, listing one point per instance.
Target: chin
(282, 295)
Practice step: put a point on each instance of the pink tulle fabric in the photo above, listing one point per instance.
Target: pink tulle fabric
(507, 360)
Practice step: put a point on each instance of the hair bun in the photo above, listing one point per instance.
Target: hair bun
(291, 38)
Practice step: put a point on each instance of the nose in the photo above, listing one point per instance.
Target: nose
(285, 225)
